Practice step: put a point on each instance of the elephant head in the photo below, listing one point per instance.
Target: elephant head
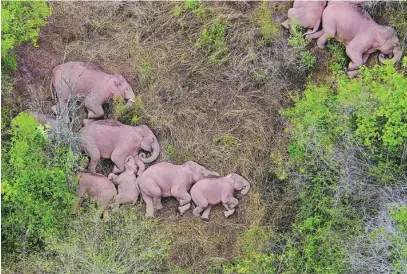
(240, 183)
(119, 87)
(130, 165)
(149, 143)
(198, 171)
(389, 44)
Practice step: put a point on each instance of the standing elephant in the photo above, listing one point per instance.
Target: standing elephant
(361, 35)
(308, 14)
(166, 180)
(98, 188)
(90, 82)
(110, 139)
(128, 191)
(212, 191)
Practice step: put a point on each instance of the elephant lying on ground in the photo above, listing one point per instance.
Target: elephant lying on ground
(308, 14)
(166, 180)
(88, 80)
(361, 35)
(128, 191)
(212, 191)
(99, 189)
(110, 139)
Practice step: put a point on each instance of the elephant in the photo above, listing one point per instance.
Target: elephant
(208, 192)
(45, 120)
(362, 36)
(308, 14)
(99, 189)
(89, 81)
(169, 180)
(128, 191)
(110, 139)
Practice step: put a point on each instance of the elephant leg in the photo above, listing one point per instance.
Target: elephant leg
(322, 41)
(157, 203)
(315, 35)
(355, 57)
(118, 159)
(183, 198)
(229, 211)
(286, 24)
(140, 164)
(365, 56)
(94, 110)
(198, 210)
(105, 214)
(149, 205)
(93, 163)
(207, 211)
(94, 153)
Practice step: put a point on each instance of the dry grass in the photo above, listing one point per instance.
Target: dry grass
(188, 101)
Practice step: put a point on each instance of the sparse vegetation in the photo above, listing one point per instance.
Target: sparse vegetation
(218, 83)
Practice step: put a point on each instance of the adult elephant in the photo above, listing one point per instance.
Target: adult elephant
(110, 139)
(72, 80)
(362, 36)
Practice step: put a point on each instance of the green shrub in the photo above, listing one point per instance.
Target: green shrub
(268, 29)
(133, 115)
(36, 203)
(212, 41)
(300, 44)
(125, 244)
(20, 22)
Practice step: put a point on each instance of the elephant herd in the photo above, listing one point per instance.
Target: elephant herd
(347, 22)
(130, 148)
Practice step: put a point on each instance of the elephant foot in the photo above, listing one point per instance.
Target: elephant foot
(352, 74)
(158, 207)
(205, 218)
(228, 213)
(184, 208)
(196, 212)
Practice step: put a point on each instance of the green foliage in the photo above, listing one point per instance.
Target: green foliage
(256, 258)
(212, 41)
(263, 15)
(300, 44)
(125, 244)
(146, 71)
(175, 156)
(339, 59)
(399, 239)
(36, 203)
(226, 141)
(20, 22)
(399, 215)
(133, 115)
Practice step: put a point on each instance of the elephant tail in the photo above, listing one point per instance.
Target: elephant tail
(316, 28)
(52, 92)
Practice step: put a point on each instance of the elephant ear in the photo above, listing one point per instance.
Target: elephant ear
(114, 85)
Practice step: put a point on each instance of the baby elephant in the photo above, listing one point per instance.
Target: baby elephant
(215, 190)
(166, 180)
(99, 189)
(126, 181)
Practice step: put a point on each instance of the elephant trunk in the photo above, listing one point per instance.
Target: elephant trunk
(154, 154)
(129, 96)
(246, 188)
(397, 53)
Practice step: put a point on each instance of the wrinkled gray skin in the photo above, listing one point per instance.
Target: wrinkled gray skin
(128, 191)
(308, 15)
(361, 35)
(110, 139)
(169, 180)
(45, 120)
(90, 82)
(99, 189)
(209, 192)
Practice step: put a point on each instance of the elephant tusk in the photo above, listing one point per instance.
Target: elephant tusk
(131, 100)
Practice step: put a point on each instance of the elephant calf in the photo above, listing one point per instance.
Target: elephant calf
(128, 191)
(212, 191)
(166, 180)
(98, 188)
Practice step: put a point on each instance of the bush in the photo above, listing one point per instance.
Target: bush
(125, 244)
(20, 22)
(300, 44)
(212, 41)
(36, 202)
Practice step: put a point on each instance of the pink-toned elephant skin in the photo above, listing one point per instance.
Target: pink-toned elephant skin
(89, 81)
(362, 36)
(110, 139)
(128, 191)
(98, 188)
(169, 180)
(308, 14)
(209, 192)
